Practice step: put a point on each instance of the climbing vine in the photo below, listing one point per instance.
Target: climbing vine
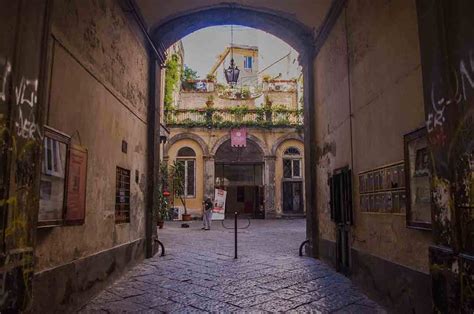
(172, 79)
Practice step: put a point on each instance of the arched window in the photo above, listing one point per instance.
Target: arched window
(187, 157)
(292, 163)
(186, 152)
(292, 151)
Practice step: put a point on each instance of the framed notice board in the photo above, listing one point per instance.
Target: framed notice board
(76, 186)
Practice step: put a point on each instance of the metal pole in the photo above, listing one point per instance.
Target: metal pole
(235, 230)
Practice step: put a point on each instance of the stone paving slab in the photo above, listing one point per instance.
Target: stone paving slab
(200, 275)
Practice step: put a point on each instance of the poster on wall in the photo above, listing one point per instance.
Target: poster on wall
(76, 186)
(218, 212)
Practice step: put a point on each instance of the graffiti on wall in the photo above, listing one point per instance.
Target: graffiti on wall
(21, 99)
(5, 70)
(26, 95)
(462, 82)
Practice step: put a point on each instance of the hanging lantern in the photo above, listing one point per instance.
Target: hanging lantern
(166, 193)
(232, 72)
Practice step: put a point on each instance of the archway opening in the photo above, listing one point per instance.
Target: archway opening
(300, 38)
(240, 171)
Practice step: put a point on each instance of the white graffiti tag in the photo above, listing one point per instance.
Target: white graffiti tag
(27, 94)
(463, 83)
(5, 70)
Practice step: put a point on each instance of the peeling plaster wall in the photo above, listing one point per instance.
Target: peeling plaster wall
(98, 96)
(386, 103)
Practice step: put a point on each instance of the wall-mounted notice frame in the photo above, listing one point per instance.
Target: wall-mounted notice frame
(382, 190)
(76, 186)
(53, 178)
(418, 179)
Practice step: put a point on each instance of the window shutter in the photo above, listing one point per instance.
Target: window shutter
(348, 205)
(331, 197)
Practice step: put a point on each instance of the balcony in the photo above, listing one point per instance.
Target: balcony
(234, 117)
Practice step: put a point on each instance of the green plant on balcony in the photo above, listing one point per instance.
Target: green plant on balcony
(210, 101)
(217, 117)
(211, 77)
(245, 93)
(239, 112)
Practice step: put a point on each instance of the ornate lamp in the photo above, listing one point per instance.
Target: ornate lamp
(232, 72)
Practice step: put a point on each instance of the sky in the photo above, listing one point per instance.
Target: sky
(202, 47)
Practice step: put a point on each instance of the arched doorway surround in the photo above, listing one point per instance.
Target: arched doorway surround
(241, 171)
(296, 34)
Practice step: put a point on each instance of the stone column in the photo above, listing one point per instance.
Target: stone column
(209, 176)
(269, 182)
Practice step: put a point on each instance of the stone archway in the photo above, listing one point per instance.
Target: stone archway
(182, 136)
(300, 37)
(263, 147)
(280, 24)
(283, 139)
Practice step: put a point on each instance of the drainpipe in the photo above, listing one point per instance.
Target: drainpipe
(153, 130)
(310, 156)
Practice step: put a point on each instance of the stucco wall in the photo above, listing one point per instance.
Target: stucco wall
(98, 96)
(386, 102)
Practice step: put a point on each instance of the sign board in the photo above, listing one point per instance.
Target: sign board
(238, 137)
(219, 204)
(76, 186)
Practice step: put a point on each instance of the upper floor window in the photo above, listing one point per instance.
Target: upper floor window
(122, 195)
(187, 157)
(292, 163)
(248, 62)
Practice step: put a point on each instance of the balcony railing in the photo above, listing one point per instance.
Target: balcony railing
(226, 118)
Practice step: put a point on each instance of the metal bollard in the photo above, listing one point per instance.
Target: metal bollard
(235, 230)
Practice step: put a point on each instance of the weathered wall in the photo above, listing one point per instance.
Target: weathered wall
(289, 99)
(387, 102)
(368, 95)
(195, 100)
(273, 142)
(98, 95)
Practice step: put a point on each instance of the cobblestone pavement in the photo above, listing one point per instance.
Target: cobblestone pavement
(199, 274)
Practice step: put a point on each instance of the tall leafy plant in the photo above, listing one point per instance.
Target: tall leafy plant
(173, 69)
(177, 174)
(163, 203)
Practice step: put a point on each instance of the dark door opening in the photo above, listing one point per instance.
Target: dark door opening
(341, 213)
(245, 200)
(292, 197)
(244, 185)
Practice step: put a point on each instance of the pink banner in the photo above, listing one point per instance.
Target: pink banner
(238, 137)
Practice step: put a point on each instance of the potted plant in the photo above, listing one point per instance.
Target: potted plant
(210, 101)
(268, 108)
(178, 177)
(162, 212)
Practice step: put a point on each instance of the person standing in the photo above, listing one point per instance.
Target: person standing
(207, 214)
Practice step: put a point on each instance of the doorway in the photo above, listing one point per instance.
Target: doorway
(244, 185)
(341, 214)
(293, 198)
